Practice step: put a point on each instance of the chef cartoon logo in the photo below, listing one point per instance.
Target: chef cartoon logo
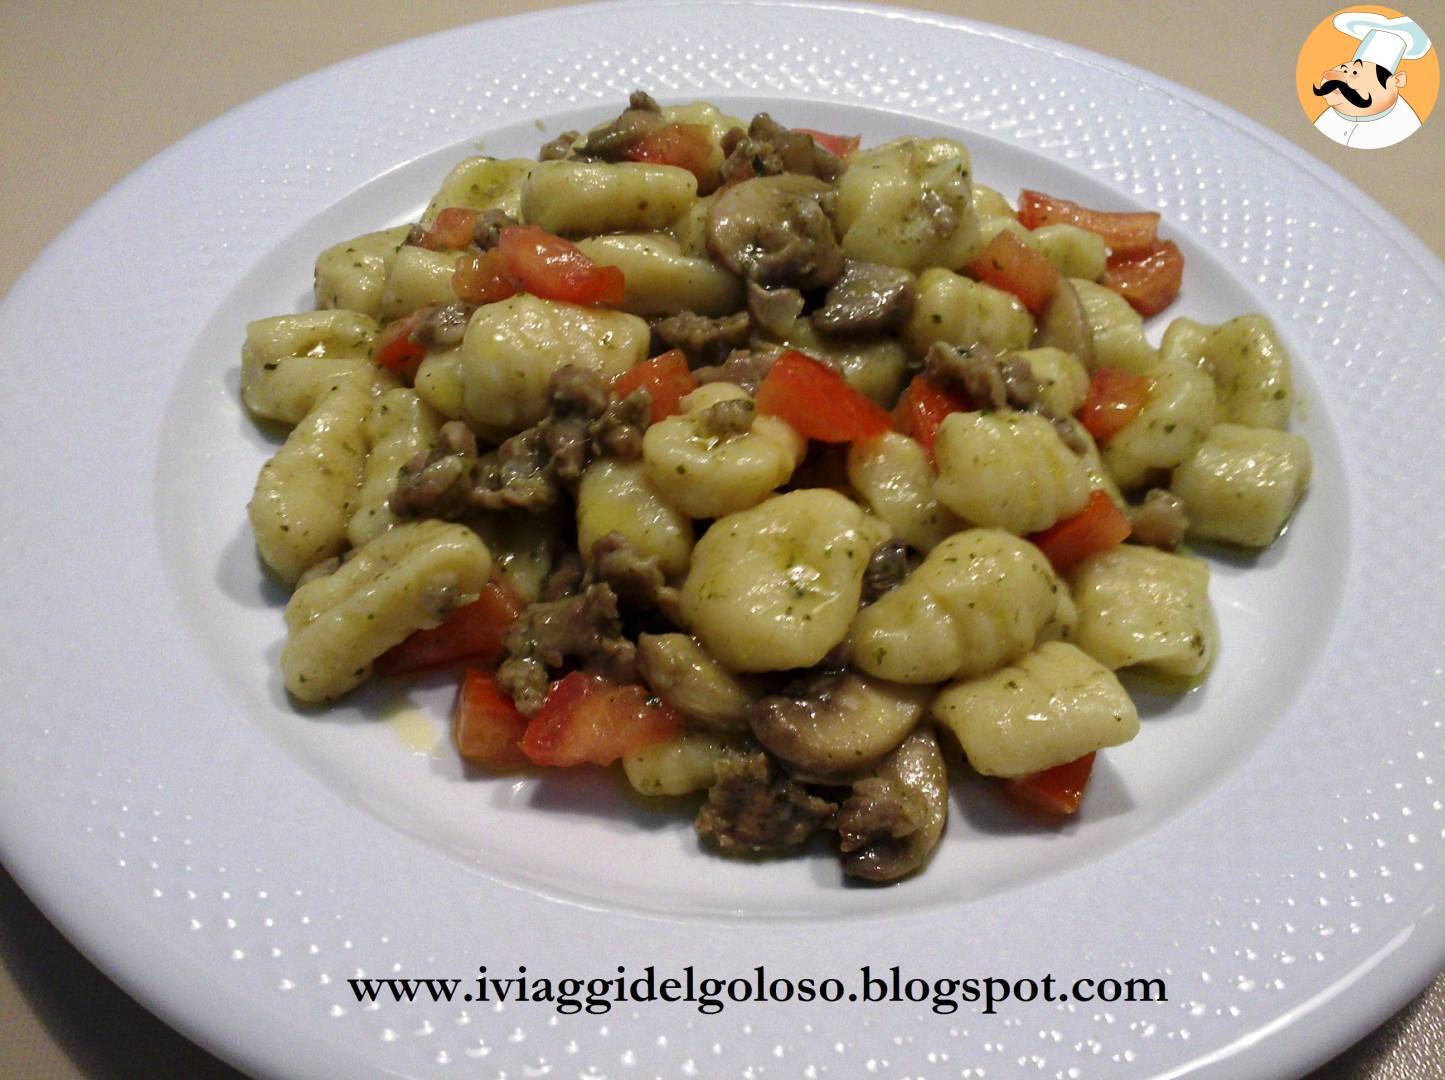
(1367, 77)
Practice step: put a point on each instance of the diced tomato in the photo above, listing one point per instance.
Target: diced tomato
(1009, 264)
(841, 145)
(688, 146)
(587, 720)
(818, 402)
(453, 229)
(556, 269)
(1115, 397)
(486, 725)
(922, 408)
(1149, 281)
(396, 350)
(1054, 791)
(473, 633)
(483, 279)
(666, 378)
(1131, 233)
(1099, 526)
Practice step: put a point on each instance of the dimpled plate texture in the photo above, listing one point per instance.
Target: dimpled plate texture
(221, 875)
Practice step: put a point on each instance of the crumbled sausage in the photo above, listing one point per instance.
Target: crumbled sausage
(612, 140)
(942, 217)
(774, 310)
(444, 327)
(585, 627)
(704, 340)
(635, 579)
(618, 431)
(1159, 521)
(732, 417)
(868, 299)
(990, 381)
(879, 811)
(768, 148)
(753, 810)
(743, 367)
(488, 230)
(562, 147)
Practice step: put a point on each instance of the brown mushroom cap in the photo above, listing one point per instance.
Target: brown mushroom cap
(777, 230)
(891, 823)
(1065, 325)
(836, 725)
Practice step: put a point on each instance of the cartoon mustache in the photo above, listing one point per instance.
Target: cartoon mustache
(1349, 93)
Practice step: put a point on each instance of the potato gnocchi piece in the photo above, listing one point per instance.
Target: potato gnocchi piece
(399, 426)
(979, 600)
(1184, 341)
(892, 475)
(439, 382)
(1075, 252)
(1241, 484)
(707, 474)
(876, 367)
(589, 198)
(1063, 624)
(1117, 329)
(352, 275)
(775, 587)
(418, 278)
(680, 766)
(407, 579)
(290, 361)
(1141, 607)
(1007, 470)
(523, 546)
(1093, 463)
(908, 203)
(483, 183)
(661, 280)
(306, 493)
(990, 227)
(1180, 409)
(683, 674)
(690, 230)
(962, 311)
(987, 202)
(1053, 706)
(1251, 371)
(512, 349)
(617, 497)
(1063, 380)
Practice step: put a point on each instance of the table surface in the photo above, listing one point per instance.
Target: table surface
(110, 85)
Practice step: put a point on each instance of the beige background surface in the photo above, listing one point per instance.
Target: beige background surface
(93, 90)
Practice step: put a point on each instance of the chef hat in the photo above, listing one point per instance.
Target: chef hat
(1384, 41)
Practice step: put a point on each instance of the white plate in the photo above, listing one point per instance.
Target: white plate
(1271, 845)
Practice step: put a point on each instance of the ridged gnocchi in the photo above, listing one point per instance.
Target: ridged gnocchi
(589, 198)
(979, 600)
(661, 279)
(289, 361)
(961, 311)
(482, 183)
(891, 474)
(1180, 409)
(1241, 484)
(399, 426)
(1117, 329)
(776, 586)
(352, 275)
(1050, 707)
(1007, 470)
(617, 497)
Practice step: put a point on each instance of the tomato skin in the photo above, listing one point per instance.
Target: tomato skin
(396, 350)
(687, 146)
(1099, 526)
(1009, 264)
(1054, 791)
(451, 231)
(1115, 397)
(666, 378)
(588, 720)
(556, 269)
(922, 407)
(483, 279)
(486, 726)
(472, 633)
(1126, 233)
(843, 146)
(818, 402)
(1149, 281)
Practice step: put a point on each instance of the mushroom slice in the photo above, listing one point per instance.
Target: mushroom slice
(685, 675)
(1065, 325)
(777, 230)
(832, 726)
(891, 822)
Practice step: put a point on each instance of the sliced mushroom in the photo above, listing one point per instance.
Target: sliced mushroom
(834, 726)
(1065, 325)
(777, 230)
(868, 299)
(775, 310)
(752, 809)
(891, 822)
(683, 674)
